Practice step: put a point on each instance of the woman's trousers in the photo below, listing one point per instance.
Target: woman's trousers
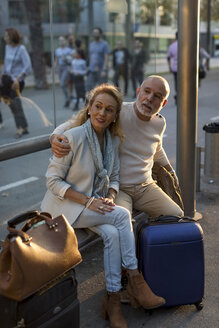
(119, 244)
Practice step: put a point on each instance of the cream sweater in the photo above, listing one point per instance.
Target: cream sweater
(142, 146)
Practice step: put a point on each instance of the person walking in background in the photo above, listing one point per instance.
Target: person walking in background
(98, 60)
(204, 58)
(1, 119)
(71, 41)
(79, 46)
(71, 45)
(17, 65)
(172, 59)
(138, 66)
(79, 70)
(121, 59)
(63, 60)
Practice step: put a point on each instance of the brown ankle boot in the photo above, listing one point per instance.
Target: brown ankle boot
(111, 310)
(141, 294)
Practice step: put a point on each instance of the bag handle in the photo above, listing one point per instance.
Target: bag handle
(36, 219)
(28, 215)
(13, 232)
(21, 218)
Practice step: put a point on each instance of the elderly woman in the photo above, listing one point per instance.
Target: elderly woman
(17, 66)
(83, 184)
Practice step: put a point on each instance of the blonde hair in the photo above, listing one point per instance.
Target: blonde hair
(82, 116)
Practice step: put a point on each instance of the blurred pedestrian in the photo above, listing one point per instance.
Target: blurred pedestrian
(98, 60)
(71, 41)
(1, 119)
(63, 61)
(79, 70)
(138, 65)
(71, 45)
(204, 58)
(17, 65)
(79, 46)
(121, 59)
(172, 59)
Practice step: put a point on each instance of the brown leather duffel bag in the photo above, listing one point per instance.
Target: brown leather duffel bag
(42, 250)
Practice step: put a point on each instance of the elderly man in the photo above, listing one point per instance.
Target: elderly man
(143, 127)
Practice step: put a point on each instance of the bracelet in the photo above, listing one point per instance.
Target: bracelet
(89, 202)
(172, 172)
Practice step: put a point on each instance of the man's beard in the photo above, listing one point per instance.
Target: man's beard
(142, 111)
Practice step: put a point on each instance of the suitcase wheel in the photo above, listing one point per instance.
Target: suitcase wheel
(199, 305)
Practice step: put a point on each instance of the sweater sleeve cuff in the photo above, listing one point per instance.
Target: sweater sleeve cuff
(114, 186)
(63, 191)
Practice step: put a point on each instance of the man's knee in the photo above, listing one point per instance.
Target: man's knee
(124, 200)
(179, 211)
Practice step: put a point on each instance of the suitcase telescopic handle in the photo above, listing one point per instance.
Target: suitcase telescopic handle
(21, 218)
(172, 219)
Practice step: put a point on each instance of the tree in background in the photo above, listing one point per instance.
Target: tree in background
(167, 11)
(214, 10)
(33, 13)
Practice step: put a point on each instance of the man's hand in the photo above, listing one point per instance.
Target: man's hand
(60, 145)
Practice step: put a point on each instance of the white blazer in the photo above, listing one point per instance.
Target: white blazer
(74, 170)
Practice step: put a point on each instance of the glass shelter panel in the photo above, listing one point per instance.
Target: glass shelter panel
(49, 95)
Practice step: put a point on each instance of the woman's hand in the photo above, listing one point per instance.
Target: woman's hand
(60, 145)
(102, 205)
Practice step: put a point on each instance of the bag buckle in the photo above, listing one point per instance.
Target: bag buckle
(54, 226)
(27, 240)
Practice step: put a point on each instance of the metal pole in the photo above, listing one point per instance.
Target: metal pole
(187, 99)
(209, 27)
(52, 57)
(198, 168)
(24, 147)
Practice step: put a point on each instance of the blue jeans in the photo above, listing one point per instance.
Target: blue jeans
(119, 243)
(64, 78)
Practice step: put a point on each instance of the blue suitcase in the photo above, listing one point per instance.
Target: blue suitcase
(171, 258)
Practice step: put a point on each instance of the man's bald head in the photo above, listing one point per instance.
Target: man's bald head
(152, 97)
(163, 82)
